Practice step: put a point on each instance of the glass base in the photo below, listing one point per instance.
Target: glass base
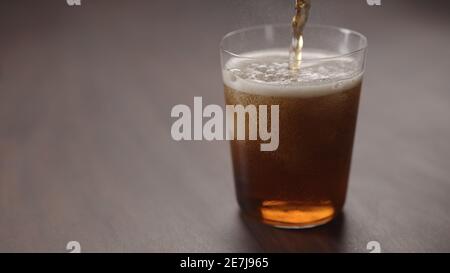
(294, 215)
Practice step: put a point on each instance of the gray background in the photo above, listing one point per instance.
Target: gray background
(85, 146)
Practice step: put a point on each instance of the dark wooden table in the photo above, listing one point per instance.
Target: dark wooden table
(86, 152)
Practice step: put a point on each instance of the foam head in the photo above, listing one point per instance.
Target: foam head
(267, 73)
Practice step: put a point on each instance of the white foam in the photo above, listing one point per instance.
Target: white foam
(267, 73)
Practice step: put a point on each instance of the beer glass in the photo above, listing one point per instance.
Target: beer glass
(303, 183)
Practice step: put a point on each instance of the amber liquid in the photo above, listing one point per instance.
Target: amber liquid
(304, 182)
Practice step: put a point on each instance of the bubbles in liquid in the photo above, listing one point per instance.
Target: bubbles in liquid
(268, 72)
(272, 68)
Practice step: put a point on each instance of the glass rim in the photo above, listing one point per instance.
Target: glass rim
(361, 48)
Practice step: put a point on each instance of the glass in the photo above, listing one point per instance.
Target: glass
(304, 182)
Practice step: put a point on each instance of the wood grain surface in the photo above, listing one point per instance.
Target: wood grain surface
(86, 152)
